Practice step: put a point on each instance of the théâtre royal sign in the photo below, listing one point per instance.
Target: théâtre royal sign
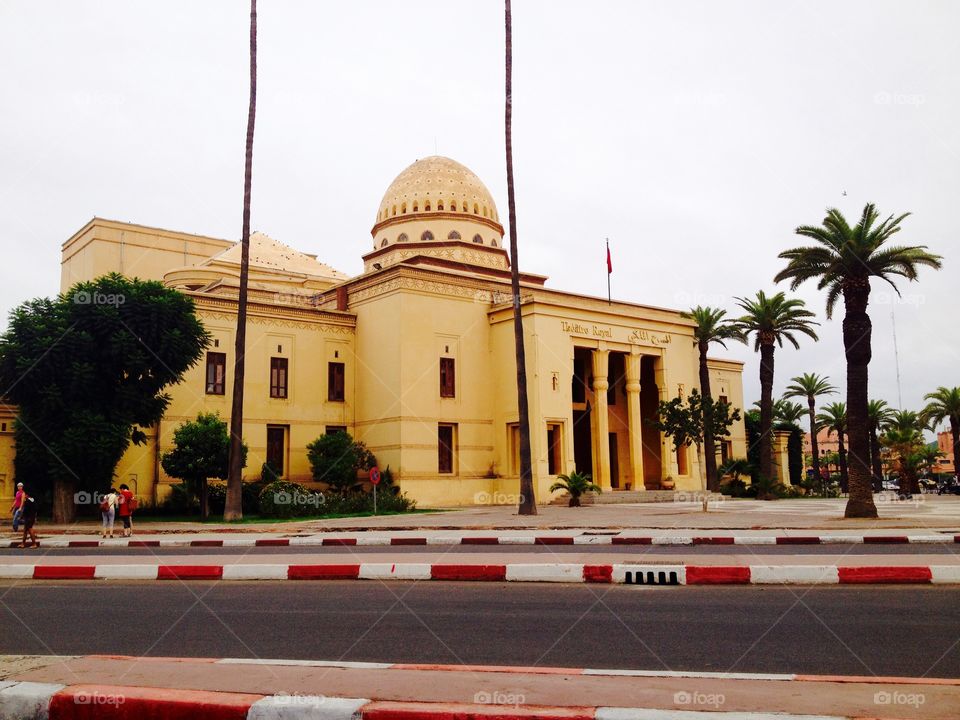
(605, 332)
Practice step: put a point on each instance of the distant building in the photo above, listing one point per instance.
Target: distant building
(945, 445)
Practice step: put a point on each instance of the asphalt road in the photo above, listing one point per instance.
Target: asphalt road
(861, 631)
(545, 553)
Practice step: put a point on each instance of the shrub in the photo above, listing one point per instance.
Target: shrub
(282, 499)
(336, 458)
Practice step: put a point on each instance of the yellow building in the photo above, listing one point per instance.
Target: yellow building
(415, 356)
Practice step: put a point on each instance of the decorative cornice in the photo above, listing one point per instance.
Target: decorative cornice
(433, 214)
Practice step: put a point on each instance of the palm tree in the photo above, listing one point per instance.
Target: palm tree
(905, 445)
(710, 328)
(834, 419)
(233, 506)
(945, 405)
(771, 320)
(528, 503)
(843, 262)
(811, 386)
(878, 415)
(788, 413)
(905, 420)
(576, 484)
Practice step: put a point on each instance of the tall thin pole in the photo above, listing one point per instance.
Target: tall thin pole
(609, 273)
(896, 359)
(528, 503)
(233, 507)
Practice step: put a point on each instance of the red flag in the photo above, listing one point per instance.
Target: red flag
(609, 261)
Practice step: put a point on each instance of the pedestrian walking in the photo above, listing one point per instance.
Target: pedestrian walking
(28, 516)
(17, 506)
(108, 510)
(128, 503)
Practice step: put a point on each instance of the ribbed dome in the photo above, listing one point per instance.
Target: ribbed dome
(437, 184)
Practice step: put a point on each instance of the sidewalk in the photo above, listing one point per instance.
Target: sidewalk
(927, 513)
(114, 687)
(302, 537)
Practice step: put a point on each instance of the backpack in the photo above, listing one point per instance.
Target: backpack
(104, 505)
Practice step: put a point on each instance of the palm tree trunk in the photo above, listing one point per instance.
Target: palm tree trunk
(814, 448)
(875, 461)
(528, 503)
(842, 459)
(955, 435)
(766, 411)
(233, 507)
(709, 447)
(856, 344)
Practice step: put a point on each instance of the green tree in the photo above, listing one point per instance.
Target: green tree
(336, 458)
(905, 420)
(906, 449)
(771, 320)
(576, 484)
(528, 501)
(201, 450)
(834, 418)
(685, 421)
(87, 370)
(751, 425)
(811, 386)
(878, 415)
(710, 328)
(843, 261)
(945, 405)
(233, 507)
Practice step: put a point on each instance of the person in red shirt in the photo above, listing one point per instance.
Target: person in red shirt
(127, 504)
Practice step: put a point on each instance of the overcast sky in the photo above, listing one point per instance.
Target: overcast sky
(695, 135)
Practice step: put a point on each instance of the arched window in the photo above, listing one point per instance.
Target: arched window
(427, 236)
(403, 237)
(477, 239)
(426, 206)
(383, 243)
(454, 235)
(493, 242)
(439, 204)
(403, 209)
(453, 206)
(476, 209)
(394, 209)
(485, 211)
(416, 206)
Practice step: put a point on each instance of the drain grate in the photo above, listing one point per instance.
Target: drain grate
(651, 577)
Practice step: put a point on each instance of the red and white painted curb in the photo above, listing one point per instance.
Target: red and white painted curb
(630, 574)
(81, 701)
(448, 539)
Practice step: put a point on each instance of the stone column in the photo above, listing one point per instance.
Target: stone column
(668, 456)
(600, 422)
(635, 423)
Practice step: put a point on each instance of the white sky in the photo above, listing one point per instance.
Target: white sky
(695, 135)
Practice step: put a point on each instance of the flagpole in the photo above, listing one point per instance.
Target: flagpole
(609, 299)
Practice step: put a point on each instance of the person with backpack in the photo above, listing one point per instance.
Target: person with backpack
(28, 516)
(108, 510)
(128, 503)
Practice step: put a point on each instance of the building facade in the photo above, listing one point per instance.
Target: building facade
(415, 356)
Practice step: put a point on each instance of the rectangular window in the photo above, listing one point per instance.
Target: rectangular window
(513, 441)
(448, 381)
(682, 468)
(216, 373)
(335, 384)
(554, 447)
(331, 429)
(278, 377)
(445, 448)
(726, 451)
